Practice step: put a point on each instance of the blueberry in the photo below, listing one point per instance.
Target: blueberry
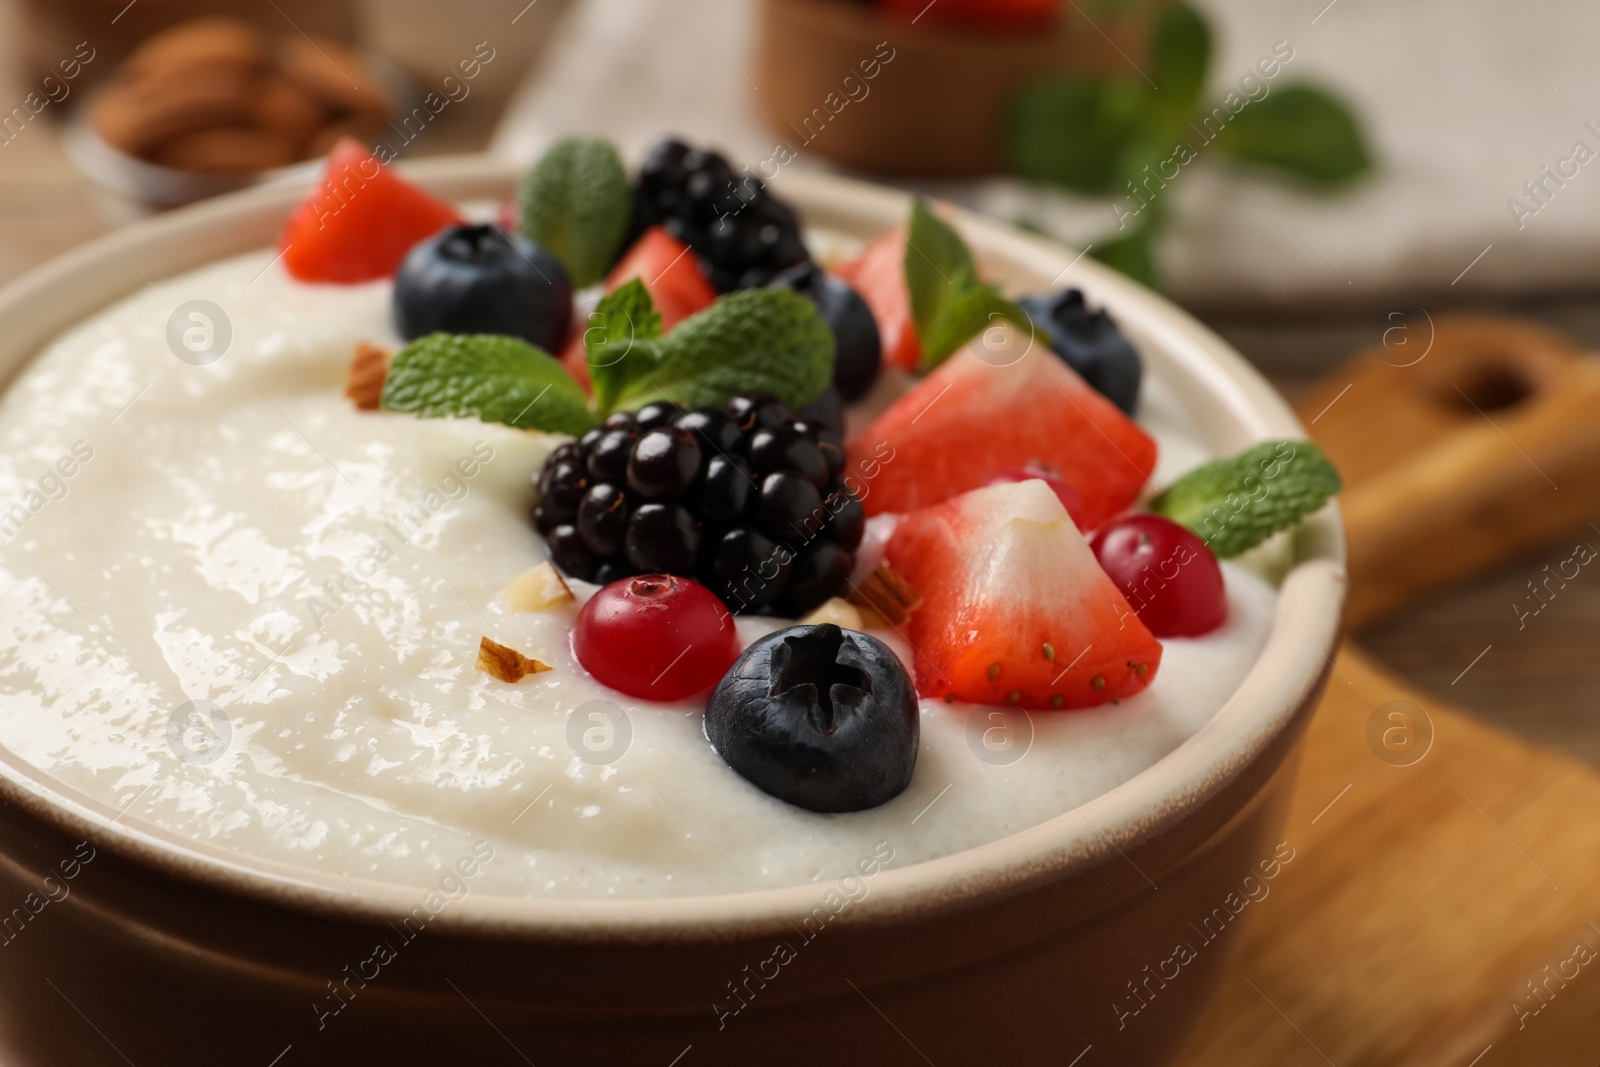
(858, 349)
(480, 279)
(1091, 344)
(822, 718)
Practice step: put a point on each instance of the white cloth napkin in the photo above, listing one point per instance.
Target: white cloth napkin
(1463, 101)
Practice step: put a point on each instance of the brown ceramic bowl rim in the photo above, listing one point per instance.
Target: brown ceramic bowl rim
(1237, 407)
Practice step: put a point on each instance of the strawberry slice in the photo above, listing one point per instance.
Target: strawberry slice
(671, 273)
(970, 422)
(1015, 608)
(879, 275)
(359, 222)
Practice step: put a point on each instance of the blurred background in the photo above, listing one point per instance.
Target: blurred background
(1311, 178)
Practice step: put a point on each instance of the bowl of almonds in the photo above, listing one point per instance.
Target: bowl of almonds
(215, 104)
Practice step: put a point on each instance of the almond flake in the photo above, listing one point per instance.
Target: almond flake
(506, 664)
(538, 589)
(369, 366)
(888, 594)
(838, 611)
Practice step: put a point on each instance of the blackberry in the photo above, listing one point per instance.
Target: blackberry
(745, 499)
(743, 236)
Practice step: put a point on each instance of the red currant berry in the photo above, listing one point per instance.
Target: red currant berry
(1167, 573)
(1065, 493)
(656, 636)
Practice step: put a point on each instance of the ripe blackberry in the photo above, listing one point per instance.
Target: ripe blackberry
(745, 499)
(743, 235)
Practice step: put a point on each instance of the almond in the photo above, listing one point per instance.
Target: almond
(506, 664)
(198, 42)
(369, 366)
(285, 108)
(538, 589)
(140, 117)
(332, 73)
(887, 593)
(228, 150)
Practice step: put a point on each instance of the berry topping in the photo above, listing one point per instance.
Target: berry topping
(878, 275)
(819, 717)
(971, 421)
(359, 222)
(480, 279)
(1090, 343)
(742, 235)
(858, 353)
(746, 500)
(1065, 493)
(1167, 573)
(1015, 608)
(655, 636)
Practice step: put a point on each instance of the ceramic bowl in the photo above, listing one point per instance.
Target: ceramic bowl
(1028, 950)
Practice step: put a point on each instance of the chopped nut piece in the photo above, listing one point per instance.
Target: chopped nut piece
(538, 589)
(890, 595)
(506, 664)
(369, 366)
(838, 611)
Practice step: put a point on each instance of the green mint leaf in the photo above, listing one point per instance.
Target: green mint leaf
(963, 318)
(1301, 130)
(1180, 46)
(752, 341)
(1236, 503)
(494, 378)
(575, 202)
(1071, 132)
(949, 305)
(617, 340)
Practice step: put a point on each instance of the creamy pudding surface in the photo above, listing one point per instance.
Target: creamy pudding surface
(234, 545)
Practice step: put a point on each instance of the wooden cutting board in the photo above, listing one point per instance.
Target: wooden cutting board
(1444, 904)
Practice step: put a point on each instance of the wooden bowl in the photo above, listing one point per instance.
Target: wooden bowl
(879, 93)
(173, 950)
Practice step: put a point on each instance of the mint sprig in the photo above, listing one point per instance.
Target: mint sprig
(1234, 504)
(949, 305)
(753, 341)
(493, 378)
(622, 320)
(575, 202)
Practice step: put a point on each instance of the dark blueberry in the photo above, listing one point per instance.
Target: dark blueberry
(601, 519)
(821, 570)
(826, 411)
(608, 460)
(619, 420)
(847, 519)
(718, 433)
(609, 572)
(1091, 344)
(725, 493)
(748, 570)
(568, 552)
(858, 349)
(754, 412)
(664, 464)
(562, 484)
(790, 506)
(480, 279)
(660, 413)
(822, 718)
(785, 448)
(662, 539)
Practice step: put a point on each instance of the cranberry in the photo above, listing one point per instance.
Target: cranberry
(1065, 493)
(656, 636)
(1167, 573)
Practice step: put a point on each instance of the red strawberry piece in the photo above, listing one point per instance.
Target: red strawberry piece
(359, 222)
(671, 273)
(970, 422)
(1015, 608)
(879, 275)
